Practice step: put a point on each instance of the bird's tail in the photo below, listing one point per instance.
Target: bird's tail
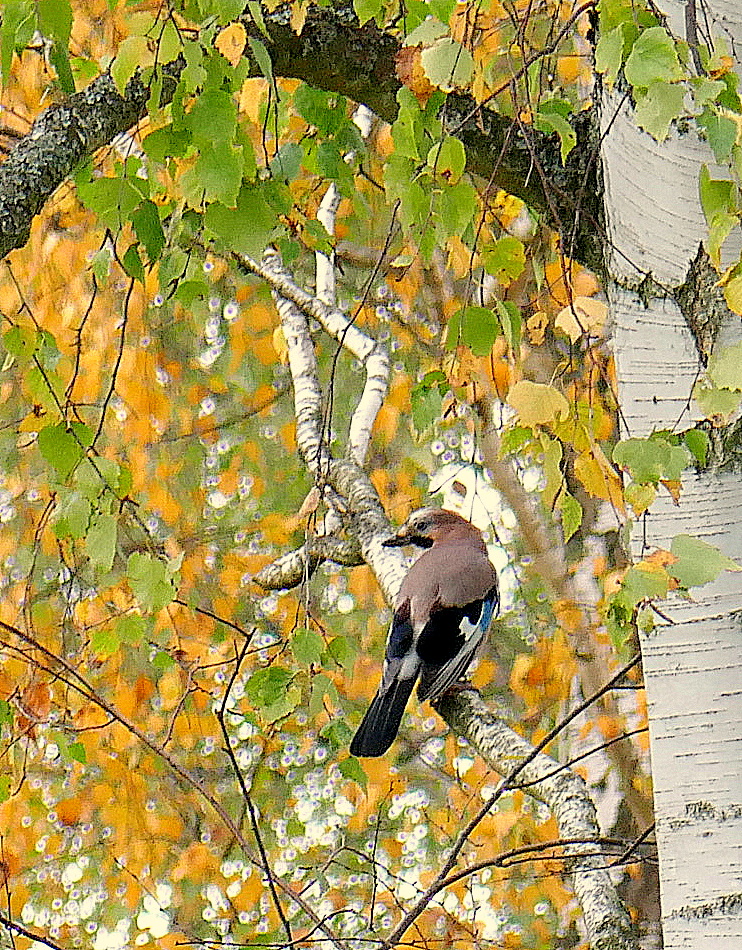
(381, 722)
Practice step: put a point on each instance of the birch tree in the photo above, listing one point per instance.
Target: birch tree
(510, 172)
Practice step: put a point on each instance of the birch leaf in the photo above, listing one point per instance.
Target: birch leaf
(537, 403)
(585, 316)
(231, 43)
(697, 562)
(447, 64)
(725, 370)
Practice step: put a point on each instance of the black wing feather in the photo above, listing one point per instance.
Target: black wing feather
(381, 722)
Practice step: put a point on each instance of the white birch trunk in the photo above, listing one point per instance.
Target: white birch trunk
(692, 666)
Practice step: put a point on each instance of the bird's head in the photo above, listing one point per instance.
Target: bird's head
(428, 525)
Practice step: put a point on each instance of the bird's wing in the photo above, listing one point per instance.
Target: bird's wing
(401, 667)
(449, 641)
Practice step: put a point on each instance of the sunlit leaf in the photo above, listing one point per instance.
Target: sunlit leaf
(537, 403)
(150, 581)
(698, 562)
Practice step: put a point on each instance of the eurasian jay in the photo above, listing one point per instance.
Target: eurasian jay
(442, 614)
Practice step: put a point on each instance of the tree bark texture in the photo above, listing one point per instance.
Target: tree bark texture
(336, 54)
(693, 663)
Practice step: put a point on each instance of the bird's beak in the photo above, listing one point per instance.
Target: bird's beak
(396, 541)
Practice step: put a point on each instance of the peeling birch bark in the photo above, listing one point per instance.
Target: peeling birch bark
(693, 665)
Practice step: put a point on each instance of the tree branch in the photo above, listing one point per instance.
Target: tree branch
(333, 53)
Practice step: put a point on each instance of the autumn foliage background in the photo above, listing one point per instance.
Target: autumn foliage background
(150, 471)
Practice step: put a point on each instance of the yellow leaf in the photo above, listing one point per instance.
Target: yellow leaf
(298, 17)
(733, 294)
(536, 326)
(279, 345)
(640, 497)
(536, 403)
(170, 688)
(585, 315)
(69, 811)
(674, 487)
(231, 43)
(599, 479)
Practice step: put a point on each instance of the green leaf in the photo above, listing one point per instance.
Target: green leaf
(337, 732)
(322, 686)
(150, 581)
(706, 90)
(659, 107)
(166, 143)
(6, 713)
(609, 54)
(475, 327)
(133, 53)
(697, 441)
(4, 788)
(447, 64)
(100, 542)
(63, 447)
(651, 459)
(72, 514)
(697, 562)
(448, 159)
(20, 342)
(721, 226)
(45, 387)
(212, 120)
(324, 110)
(266, 686)
(426, 33)
(351, 768)
(721, 133)
(113, 199)
(287, 162)
(515, 440)
(148, 229)
(248, 227)
(367, 9)
(162, 661)
(511, 321)
(571, 511)
(640, 496)
(342, 650)
(132, 263)
(262, 57)
(717, 194)
(653, 58)
(725, 368)
(17, 26)
(76, 751)
(733, 294)
(505, 259)
(189, 290)
(55, 22)
(426, 404)
(553, 116)
(105, 641)
(457, 205)
(307, 647)
(255, 11)
(132, 629)
(717, 404)
(644, 581)
(55, 19)
(216, 175)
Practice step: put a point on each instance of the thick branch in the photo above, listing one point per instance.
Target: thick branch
(564, 792)
(334, 53)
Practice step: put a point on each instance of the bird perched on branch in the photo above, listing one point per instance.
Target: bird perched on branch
(442, 614)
